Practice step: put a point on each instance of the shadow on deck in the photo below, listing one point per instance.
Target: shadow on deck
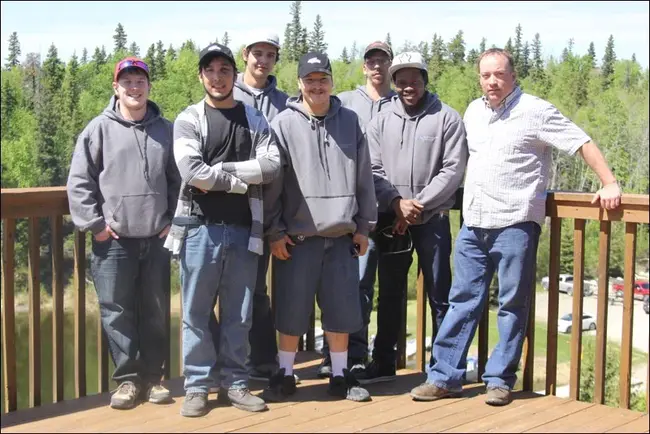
(311, 410)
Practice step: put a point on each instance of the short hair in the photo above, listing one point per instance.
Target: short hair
(248, 50)
(497, 51)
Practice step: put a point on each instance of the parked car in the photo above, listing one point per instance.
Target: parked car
(646, 304)
(565, 324)
(566, 284)
(641, 288)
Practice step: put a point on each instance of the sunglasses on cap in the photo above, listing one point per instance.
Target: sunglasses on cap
(130, 63)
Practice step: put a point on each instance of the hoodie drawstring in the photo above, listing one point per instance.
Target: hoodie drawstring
(143, 152)
(322, 145)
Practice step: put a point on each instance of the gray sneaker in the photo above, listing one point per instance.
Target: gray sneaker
(242, 399)
(125, 396)
(157, 394)
(195, 404)
(431, 392)
(498, 397)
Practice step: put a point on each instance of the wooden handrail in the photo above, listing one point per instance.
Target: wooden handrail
(52, 203)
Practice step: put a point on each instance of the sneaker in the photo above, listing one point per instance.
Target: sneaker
(357, 368)
(497, 396)
(325, 368)
(431, 392)
(280, 387)
(346, 386)
(376, 373)
(242, 399)
(195, 404)
(263, 376)
(125, 396)
(157, 394)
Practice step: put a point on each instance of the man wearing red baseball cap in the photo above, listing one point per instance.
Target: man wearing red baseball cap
(123, 187)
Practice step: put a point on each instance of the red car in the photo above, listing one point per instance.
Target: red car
(641, 288)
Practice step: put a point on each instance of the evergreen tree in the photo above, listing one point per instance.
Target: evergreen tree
(354, 51)
(32, 68)
(423, 49)
(344, 56)
(103, 55)
(188, 45)
(518, 48)
(84, 56)
(438, 54)
(509, 48)
(592, 54)
(472, 57)
(161, 69)
(456, 49)
(134, 50)
(538, 62)
(303, 45)
(287, 45)
(14, 51)
(298, 39)
(388, 41)
(482, 46)
(609, 59)
(317, 37)
(634, 58)
(171, 54)
(226, 39)
(525, 61)
(119, 38)
(150, 60)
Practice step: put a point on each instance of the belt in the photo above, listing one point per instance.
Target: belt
(196, 220)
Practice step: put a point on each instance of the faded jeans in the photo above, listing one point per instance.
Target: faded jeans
(216, 263)
(511, 252)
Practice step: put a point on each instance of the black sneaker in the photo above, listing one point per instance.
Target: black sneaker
(376, 373)
(280, 387)
(325, 368)
(357, 368)
(347, 387)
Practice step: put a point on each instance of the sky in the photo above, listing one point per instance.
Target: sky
(71, 26)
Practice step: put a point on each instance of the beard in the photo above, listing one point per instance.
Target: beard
(217, 98)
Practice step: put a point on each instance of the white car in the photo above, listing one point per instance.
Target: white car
(565, 323)
(566, 285)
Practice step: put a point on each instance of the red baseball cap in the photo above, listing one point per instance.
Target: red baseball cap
(130, 62)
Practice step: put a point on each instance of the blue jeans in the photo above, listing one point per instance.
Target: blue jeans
(131, 277)
(358, 343)
(511, 252)
(432, 242)
(216, 262)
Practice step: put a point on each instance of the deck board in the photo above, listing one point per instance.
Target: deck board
(312, 410)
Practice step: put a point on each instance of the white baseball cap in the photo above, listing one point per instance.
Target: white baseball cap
(266, 37)
(409, 59)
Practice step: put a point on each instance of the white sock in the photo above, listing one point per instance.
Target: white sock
(339, 363)
(286, 359)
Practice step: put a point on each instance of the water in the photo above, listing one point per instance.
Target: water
(92, 375)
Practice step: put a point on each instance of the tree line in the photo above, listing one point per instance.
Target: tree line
(46, 104)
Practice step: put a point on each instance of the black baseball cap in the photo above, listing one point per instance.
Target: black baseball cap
(378, 45)
(214, 50)
(314, 62)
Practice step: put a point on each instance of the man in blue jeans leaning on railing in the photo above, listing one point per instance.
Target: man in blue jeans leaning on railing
(510, 136)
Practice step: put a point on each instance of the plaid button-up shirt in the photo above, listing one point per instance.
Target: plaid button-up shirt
(510, 154)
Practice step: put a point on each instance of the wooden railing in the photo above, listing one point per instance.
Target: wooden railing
(34, 204)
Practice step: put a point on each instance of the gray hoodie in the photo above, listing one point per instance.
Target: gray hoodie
(365, 107)
(420, 157)
(270, 101)
(326, 182)
(123, 174)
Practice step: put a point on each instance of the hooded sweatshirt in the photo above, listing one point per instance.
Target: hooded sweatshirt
(326, 182)
(123, 174)
(420, 157)
(365, 107)
(270, 101)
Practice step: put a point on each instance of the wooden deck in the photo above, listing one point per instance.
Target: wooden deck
(390, 410)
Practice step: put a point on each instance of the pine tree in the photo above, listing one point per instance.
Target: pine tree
(538, 62)
(509, 48)
(134, 50)
(188, 46)
(287, 46)
(84, 56)
(150, 60)
(482, 46)
(423, 49)
(518, 48)
(634, 58)
(14, 51)
(472, 57)
(161, 69)
(525, 61)
(171, 54)
(119, 38)
(297, 36)
(32, 71)
(317, 37)
(592, 54)
(438, 54)
(303, 43)
(226, 39)
(388, 41)
(103, 55)
(344, 56)
(607, 68)
(456, 49)
(354, 51)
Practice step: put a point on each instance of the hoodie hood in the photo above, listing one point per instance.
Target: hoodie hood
(430, 100)
(295, 103)
(363, 105)
(112, 112)
(270, 101)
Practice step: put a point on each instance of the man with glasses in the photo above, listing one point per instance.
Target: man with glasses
(418, 150)
(319, 226)
(366, 101)
(226, 150)
(123, 187)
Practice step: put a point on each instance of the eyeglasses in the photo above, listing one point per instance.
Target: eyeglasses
(396, 240)
(133, 63)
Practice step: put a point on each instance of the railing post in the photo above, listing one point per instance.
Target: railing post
(80, 313)
(553, 305)
(57, 308)
(8, 315)
(603, 300)
(529, 342)
(421, 318)
(578, 291)
(628, 315)
(34, 284)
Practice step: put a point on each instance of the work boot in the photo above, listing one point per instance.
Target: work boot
(125, 396)
(431, 392)
(498, 396)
